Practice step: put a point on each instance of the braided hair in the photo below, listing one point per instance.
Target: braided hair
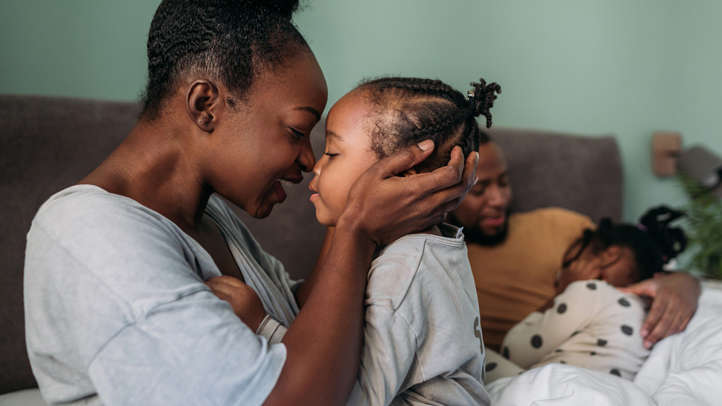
(653, 241)
(407, 111)
(230, 41)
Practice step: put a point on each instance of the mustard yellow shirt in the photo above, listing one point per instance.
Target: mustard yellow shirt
(516, 277)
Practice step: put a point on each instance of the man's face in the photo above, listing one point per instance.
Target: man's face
(483, 213)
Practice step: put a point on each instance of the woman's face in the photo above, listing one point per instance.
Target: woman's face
(264, 141)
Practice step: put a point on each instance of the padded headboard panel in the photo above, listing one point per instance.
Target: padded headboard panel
(579, 173)
(46, 144)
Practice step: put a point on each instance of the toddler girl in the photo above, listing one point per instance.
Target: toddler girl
(422, 340)
(590, 323)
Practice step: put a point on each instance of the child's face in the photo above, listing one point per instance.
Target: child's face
(615, 265)
(347, 155)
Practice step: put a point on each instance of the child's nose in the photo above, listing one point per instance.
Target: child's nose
(317, 166)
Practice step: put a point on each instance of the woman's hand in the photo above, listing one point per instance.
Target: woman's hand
(244, 300)
(384, 206)
(674, 301)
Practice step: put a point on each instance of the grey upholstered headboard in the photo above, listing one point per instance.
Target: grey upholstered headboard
(579, 173)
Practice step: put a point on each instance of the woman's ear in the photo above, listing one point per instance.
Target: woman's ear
(202, 102)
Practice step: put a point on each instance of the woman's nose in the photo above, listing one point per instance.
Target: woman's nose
(306, 159)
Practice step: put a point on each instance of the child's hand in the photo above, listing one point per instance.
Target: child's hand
(244, 300)
(582, 269)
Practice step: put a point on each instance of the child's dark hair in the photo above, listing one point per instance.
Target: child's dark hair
(231, 41)
(653, 241)
(411, 110)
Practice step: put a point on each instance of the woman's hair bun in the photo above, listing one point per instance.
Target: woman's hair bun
(484, 96)
(656, 222)
(285, 8)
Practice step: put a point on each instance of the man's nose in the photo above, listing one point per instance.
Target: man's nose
(494, 196)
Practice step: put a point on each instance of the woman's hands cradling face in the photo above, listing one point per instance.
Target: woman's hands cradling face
(384, 206)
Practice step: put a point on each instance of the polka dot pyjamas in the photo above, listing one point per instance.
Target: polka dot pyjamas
(591, 325)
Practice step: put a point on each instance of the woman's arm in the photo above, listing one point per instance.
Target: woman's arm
(306, 287)
(324, 342)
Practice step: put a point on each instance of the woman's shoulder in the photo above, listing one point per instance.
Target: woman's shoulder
(88, 208)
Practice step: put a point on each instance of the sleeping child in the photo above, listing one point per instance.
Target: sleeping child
(422, 340)
(590, 323)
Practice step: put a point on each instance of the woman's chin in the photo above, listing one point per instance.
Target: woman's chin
(261, 211)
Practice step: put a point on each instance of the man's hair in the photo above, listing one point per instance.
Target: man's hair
(230, 41)
(406, 111)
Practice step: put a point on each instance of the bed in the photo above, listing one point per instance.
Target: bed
(682, 370)
(581, 173)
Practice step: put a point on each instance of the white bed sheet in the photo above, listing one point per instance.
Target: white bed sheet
(682, 370)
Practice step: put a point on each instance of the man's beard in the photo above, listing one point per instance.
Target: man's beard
(477, 236)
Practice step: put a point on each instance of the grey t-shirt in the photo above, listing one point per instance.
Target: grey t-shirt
(422, 339)
(117, 313)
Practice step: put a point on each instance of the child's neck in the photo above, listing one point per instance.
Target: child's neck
(433, 230)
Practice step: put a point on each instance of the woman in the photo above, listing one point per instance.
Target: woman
(116, 306)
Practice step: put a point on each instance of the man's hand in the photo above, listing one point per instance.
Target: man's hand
(244, 300)
(674, 301)
(384, 206)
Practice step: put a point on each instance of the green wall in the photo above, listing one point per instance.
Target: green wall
(595, 67)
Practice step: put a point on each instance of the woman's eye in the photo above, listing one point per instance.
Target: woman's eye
(330, 155)
(297, 133)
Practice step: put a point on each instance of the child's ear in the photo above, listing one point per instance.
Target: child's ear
(610, 256)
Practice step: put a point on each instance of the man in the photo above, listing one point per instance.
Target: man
(515, 258)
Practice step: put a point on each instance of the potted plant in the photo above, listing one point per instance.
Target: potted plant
(703, 226)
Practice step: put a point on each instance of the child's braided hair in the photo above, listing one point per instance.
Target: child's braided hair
(653, 241)
(411, 110)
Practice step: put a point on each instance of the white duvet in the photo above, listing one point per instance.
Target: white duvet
(683, 370)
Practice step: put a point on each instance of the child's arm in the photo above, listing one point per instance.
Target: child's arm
(387, 355)
(540, 333)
